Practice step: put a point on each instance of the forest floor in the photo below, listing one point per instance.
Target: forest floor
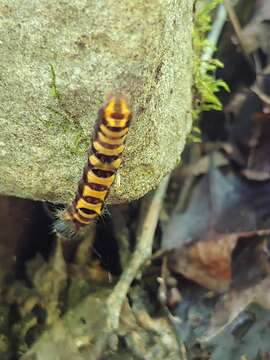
(183, 273)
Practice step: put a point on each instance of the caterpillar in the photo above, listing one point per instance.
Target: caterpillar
(104, 159)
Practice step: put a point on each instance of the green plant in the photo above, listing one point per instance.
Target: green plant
(205, 85)
(54, 90)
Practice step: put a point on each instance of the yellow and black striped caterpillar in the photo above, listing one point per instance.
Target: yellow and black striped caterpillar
(104, 159)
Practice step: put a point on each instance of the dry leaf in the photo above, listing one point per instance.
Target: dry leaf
(207, 262)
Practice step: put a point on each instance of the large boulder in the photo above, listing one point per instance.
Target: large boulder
(141, 49)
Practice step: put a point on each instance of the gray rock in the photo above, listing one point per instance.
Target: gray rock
(138, 48)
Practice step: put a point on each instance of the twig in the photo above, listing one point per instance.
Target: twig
(184, 194)
(173, 321)
(264, 97)
(237, 28)
(188, 183)
(139, 258)
(121, 233)
(214, 34)
(142, 252)
(158, 254)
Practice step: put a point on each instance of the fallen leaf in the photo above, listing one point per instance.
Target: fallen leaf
(206, 262)
(222, 210)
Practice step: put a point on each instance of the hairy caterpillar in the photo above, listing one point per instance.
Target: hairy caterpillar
(104, 159)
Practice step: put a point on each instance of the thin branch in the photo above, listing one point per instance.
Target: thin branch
(172, 320)
(139, 258)
(214, 34)
(142, 253)
(264, 97)
(237, 27)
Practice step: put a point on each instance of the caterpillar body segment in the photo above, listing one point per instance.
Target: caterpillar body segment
(104, 160)
(111, 134)
(105, 166)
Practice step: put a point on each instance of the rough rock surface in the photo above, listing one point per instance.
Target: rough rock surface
(139, 48)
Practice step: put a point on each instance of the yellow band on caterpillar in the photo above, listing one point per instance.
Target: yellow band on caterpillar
(116, 122)
(117, 105)
(92, 216)
(92, 178)
(87, 191)
(82, 204)
(109, 152)
(113, 134)
(95, 162)
(116, 141)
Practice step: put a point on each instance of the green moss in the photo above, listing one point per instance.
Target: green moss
(54, 90)
(205, 84)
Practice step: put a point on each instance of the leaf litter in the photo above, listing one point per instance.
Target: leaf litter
(218, 244)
